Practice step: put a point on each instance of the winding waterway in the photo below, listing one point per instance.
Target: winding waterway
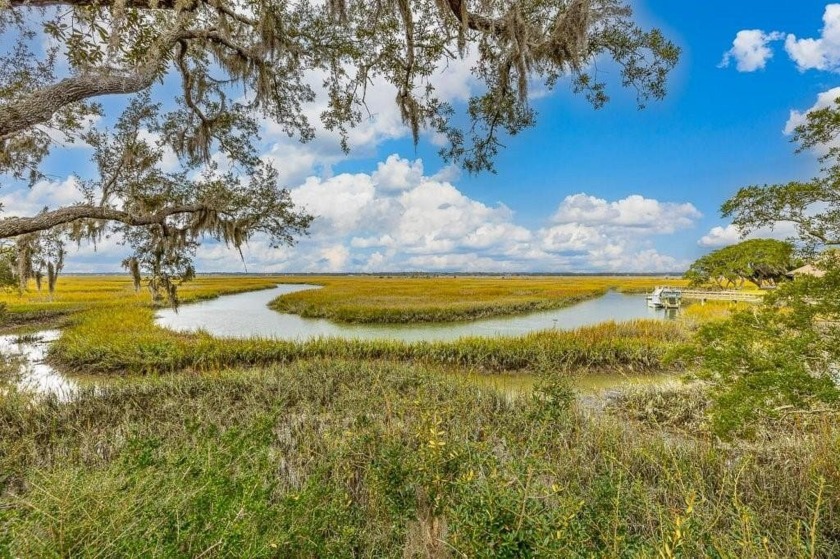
(246, 315)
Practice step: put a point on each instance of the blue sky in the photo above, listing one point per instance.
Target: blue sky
(612, 190)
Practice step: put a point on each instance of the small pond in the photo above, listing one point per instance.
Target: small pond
(246, 315)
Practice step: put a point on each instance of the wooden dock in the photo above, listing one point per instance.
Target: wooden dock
(710, 295)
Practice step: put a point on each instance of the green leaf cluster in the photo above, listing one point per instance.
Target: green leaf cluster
(775, 360)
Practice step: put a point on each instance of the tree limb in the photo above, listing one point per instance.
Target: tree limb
(14, 226)
(39, 106)
(138, 4)
(474, 21)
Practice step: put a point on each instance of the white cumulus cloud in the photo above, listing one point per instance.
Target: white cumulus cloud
(43, 194)
(592, 233)
(635, 212)
(750, 50)
(822, 53)
(398, 217)
(721, 236)
(398, 174)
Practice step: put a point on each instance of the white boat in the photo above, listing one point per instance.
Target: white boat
(665, 298)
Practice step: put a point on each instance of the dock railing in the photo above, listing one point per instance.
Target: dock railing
(710, 295)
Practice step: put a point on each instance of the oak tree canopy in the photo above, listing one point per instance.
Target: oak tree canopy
(761, 261)
(235, 64)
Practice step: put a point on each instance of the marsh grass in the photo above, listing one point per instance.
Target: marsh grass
(110, 328)
(77, 293)
(125, 340)
(695, 312)
(672, 406)
(334, 448)
(334, 458)
(368, 299)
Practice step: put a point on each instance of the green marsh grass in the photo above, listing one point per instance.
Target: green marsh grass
(335, 458)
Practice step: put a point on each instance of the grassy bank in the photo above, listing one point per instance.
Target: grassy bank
(345, 459)
(124, 340)
(369, 299)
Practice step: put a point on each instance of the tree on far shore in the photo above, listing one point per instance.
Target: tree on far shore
(764, 262)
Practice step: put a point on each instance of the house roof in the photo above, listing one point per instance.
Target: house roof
(807, 270)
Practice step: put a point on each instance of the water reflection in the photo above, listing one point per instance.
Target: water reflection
(670, 314)
(35, 374)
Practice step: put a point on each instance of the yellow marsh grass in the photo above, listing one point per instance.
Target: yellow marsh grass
(74, 292)
(33, 309)
(368, 299)
(696, 312)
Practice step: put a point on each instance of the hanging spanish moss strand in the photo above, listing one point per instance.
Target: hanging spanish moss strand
(409, 107)
(569, 44)
(52, 276)
(24, 261)
(133, 266)
(38, 255)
